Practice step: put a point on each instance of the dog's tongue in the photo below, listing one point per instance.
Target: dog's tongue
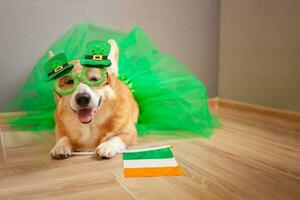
(85, 115)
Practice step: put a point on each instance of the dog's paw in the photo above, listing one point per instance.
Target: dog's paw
(61, 152)
(110, 148)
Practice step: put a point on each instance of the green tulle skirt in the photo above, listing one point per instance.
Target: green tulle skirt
(170, 98)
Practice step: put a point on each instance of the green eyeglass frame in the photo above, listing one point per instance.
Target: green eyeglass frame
(76, 78)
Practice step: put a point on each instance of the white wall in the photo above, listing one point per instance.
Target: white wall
(260, 52)
(187, 29)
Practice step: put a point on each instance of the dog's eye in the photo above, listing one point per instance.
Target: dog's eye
(65, 83)
(93, 75)
(69, 82)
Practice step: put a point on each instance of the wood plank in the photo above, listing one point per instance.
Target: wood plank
(240, 176)
(220, 173)
(31, 174)
(260, 131)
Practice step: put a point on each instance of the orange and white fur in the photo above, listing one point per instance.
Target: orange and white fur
(111, 113)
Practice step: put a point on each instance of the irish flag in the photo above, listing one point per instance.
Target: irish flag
(157, 161)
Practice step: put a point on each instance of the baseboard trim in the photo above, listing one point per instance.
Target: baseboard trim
(6, 115)
(271, 116)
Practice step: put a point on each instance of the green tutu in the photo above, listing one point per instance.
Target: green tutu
(170, 98)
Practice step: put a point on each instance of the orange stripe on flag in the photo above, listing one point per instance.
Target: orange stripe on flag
(153, 171)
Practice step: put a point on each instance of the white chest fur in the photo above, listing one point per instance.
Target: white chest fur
(84, 135)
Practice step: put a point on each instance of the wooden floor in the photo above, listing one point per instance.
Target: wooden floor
(243, 160)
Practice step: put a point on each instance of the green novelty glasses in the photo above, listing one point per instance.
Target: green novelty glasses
(68, 83)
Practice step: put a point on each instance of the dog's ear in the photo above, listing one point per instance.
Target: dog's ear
(114, 57)
(50, 54)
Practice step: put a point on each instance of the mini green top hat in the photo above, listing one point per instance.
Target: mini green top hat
(58, 65)
(96, 54)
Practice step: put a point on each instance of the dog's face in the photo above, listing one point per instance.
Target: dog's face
(86, 100)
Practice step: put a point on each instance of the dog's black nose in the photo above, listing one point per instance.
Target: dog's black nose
(82, 99)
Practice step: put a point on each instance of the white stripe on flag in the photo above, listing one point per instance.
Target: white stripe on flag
(141, 163)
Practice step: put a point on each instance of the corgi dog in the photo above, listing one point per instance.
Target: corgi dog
(100, 119)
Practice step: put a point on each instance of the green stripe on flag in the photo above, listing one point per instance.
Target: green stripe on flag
(151, 154)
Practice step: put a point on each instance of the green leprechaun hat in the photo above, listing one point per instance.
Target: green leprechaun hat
(58, 65)
(96, 54)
